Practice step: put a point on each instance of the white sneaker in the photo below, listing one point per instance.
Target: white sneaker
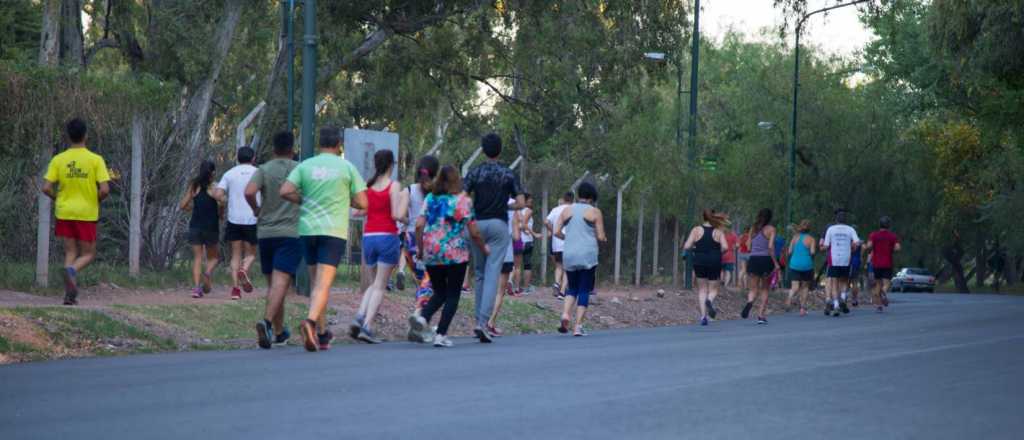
(418, 329)
(442, 341)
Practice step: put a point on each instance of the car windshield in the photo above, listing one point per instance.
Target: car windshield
(916, 271)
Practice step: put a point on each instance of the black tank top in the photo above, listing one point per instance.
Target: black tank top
(707, 251)
(204, 212)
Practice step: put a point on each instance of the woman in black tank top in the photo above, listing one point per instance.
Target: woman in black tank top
(706, 244)
(203, 227)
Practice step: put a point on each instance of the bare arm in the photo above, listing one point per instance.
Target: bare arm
(478, 239)
(811, 245)
(771, 243)
(561, 222)
(104, 190)
(250, 196)
(220, 195)
(421, 224)
(516, 227)
(48, 189)
(290, 192)
(520, 202)
(360, 201)
(722, 241)
(599, 225)
(691, 239)
(399, 203)
(186, 200)
(897, 247)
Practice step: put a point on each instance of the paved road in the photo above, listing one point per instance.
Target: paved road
(937, 366)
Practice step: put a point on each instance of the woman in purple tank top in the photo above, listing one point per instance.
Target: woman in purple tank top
(762, 264)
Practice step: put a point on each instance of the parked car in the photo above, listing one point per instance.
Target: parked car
(911, 279)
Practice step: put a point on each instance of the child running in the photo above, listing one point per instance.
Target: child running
(761, 265)
(203, 227)
(708, 242)
(801, 265)
(581, 226)
(381, 245)
(442, 246)
(325, 187)
(523, 273)
(882, 244)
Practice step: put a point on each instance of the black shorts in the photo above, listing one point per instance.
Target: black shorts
(883, 274)
(804, 276)
(855, 271)
(203, 237)
(246, 233)
(282, 254)
(710, 273)
(323, 249)
(557, 256)
(839, 271)
(506, 268)
(528, 256)
(760, 266)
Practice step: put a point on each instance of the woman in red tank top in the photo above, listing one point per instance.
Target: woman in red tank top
(387, 203)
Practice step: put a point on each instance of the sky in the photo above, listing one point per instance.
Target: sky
(838, 32)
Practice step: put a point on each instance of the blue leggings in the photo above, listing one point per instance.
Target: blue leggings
(581, 283)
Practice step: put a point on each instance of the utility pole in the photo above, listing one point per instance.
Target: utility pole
(288, 29)
(309, 78)
(691, 202)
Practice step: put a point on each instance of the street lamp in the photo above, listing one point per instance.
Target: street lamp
(767, 125)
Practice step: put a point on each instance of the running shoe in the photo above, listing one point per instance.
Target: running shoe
(855, 303)
(70, 300)
(704, 321)
(844, 308)
(207, 283)
(746, 310)
(885, 300)
(367, 336)
(442, 341)
(803, 311)
(283, 337)
(560, 297)
(400, 281)
(482, 335)
(580, 332)
(564, 327)
(761, 320)
(494, 331)
(309, 337)
(197, 292)
(236, 293)
(264, 334)
(243, 277)
(835, 312)
(711, 308)
(70, 286)
(558, 290)
(324, 340)
(354, 327)
(417, 329)
(879, 309)
(828, 308)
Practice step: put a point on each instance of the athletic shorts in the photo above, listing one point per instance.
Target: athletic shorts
(729, 267)
(839, 271)
(760, 266)
(557, 256)
(76, 230)
(282, 254)
(203, 237)
(517, 247)
(528, 255)
(854, 271)
(381, 249)
(235, 232)
(710, 273)
(801, 275)
(883, 274)
(744, 256)
(506, 268)
(581, 285)
(323, 249)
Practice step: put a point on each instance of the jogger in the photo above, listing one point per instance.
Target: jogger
(708, 243)
(240, 232)
(203, 227)
(840, 240)
(581, 225)
(882, 244)
(556, 244)
(801, 265)
(762, 264)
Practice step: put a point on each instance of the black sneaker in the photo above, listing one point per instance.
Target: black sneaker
(283, 337)
(844, 308)
(400, 281)
(711, 309)
(761, 320)
(746, 310)
(482, 335)
(828, 308)
(324, 340)
(354, 327)
(264, 334)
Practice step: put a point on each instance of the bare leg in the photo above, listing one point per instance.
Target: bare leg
(279, 283)
(702, 296)
(517, 272)
(581, 312)
(197, 263)
(498, 300)
(527, 278)
(236, 261)
(569, 304)
(70, 251)
(713, 289)
(804, 287)
(375, 294)
(321, 293)
(794, 287)
(764, 297)
(212, 258)
(86, 253)
(250, 255)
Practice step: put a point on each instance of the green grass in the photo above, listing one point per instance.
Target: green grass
(516, 316)
(7, 346)
(216, 322)
(92, 331)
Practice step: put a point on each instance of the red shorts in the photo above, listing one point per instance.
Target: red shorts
(76, 229)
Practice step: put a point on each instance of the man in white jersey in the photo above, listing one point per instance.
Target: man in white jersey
(240, 231)
(557, 244)
(839, 241)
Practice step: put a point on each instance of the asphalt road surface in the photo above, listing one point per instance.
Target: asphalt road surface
(935, 366)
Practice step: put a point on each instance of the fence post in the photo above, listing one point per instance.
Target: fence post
(675, 252)
(639, 241)
(618, 228)
(657, 230)
(135, 209)
(43, 228)
(469, 163)
(544, 236)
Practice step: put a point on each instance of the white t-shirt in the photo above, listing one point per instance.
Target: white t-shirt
(557, 245)
(416, 198)
(233, 183)
(523, 235)
(840, 240)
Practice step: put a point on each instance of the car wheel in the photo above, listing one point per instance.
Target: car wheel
(930, 290)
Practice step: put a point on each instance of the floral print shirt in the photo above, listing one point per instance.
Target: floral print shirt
(445, 238)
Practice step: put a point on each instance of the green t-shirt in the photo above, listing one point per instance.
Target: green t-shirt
(327, 184)
(278, 217)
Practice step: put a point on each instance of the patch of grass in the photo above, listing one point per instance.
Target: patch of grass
(516, 316)
(8, 346)
(216, 322)
(91, 331)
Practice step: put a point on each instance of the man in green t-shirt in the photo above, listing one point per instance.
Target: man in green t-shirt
(325, 187)
(278, 233)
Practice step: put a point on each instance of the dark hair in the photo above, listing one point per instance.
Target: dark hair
(382, 160)
(205, 175)
(717, 219)
(841, 216)
(76, 129)
(245, 155)
(491, 144)
(448, 181)
(426, 169)
(527, 196)
(569, 197)
(587, 190)
(804, 226)
(885, 222)
(329, 137)
(284, 143)
(764, 218)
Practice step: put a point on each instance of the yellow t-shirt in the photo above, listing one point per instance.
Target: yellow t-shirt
(76, 172)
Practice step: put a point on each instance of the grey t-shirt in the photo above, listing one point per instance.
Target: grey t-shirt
(278, 217)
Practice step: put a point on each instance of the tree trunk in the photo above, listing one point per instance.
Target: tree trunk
(980, 261)
(71, 41)
(953, 254)
(49, 55)
(1010, 271)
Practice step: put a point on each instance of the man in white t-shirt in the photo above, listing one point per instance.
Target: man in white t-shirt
(241, 228)
(840, 240)
(557, 244)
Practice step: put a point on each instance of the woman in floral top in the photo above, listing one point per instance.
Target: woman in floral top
(441, 238)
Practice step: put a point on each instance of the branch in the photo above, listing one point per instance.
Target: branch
(104, 43)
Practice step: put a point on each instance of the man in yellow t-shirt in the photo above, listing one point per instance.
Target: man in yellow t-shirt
(81, 181)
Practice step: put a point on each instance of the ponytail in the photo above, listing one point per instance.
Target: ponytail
(382, 162)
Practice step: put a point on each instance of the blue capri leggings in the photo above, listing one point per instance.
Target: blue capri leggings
(581, 283)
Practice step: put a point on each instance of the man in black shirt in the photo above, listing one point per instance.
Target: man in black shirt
(491, 185)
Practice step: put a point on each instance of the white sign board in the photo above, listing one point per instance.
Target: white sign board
(361, 145)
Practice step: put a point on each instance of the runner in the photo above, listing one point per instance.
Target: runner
(780, 256)
(442, 246)
(203, 227)
(707, 243)
(743, 257)
(761, 265)
(801, 265)
(505, 286)
(324, 187)
(426, 171)
(240, 231)
(381, 245)
(523, 274)
(81, 180)
(855, 264)
(490, 184)
(840, 239)
(557, 244)
(729, 257)
(278, 233)
(581, 226)
(882, 244)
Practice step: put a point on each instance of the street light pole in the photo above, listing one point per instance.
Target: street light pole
(691, 203)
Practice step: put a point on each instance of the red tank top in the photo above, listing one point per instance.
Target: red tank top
(378, 213)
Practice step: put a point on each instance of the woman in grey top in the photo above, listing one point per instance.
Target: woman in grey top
(581, 225)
